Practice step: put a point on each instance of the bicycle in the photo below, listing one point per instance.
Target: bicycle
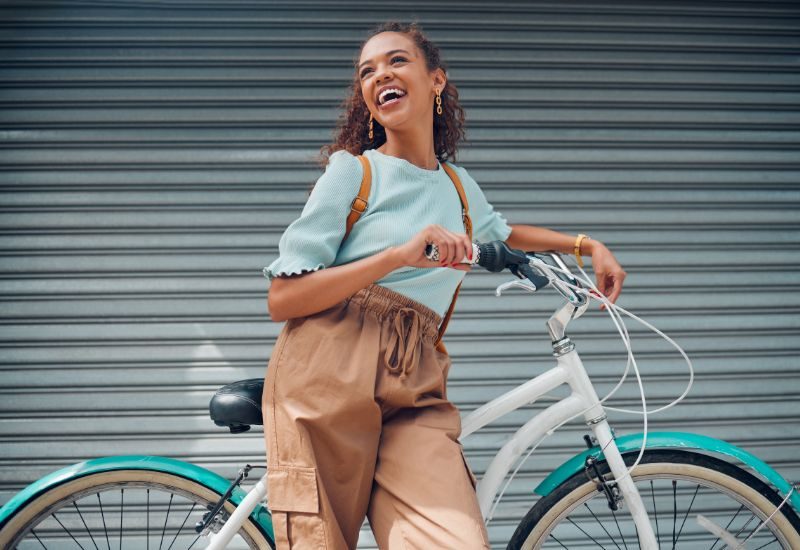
(608, 496)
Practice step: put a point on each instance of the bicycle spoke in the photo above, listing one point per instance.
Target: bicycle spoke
(600, 523)
(68, 532)
(739, 532)
(559, 542)
(587, 534)
(198, 538)
(164, 530)
(121, 500)
(102, 515)
(38, 539)
(674, 510)
(625, 544)
(741, 507)
(655, 514)
(750, 534)
(75, 504)
(194, 505)
(686, 515)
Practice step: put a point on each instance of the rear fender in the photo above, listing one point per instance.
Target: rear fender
(187, 470)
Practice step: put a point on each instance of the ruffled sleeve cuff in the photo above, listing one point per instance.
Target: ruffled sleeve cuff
(311, 241)
(290, 266)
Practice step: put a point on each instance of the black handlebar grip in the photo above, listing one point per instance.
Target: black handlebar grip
(496, 256)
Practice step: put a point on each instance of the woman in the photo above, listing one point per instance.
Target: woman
(356, 417)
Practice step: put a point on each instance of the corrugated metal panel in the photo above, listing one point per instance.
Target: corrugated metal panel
(153, 153)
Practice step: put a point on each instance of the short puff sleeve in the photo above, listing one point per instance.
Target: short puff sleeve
(487, 223)
(312, 241)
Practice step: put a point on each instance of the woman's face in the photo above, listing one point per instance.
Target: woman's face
(391, 60)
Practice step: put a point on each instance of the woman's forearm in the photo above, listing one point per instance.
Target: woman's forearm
(310, 293)
(538, 239)
(608, 273)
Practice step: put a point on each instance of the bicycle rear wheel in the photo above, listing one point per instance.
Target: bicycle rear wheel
(122, 509)
(675, 486)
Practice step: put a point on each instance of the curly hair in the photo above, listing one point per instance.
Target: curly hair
(352, 133)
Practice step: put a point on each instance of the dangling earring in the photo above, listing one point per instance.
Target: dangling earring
(438, 102)
(370, 126)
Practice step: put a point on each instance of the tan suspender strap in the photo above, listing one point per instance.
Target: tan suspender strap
(461, 195)
(360, 202)
(443, 327)
(468, 226)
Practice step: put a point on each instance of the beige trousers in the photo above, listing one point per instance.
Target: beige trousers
(357, 423)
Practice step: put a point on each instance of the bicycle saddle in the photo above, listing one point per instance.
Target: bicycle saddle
(238, 405)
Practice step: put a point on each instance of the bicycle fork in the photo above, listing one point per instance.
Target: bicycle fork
(596, 419)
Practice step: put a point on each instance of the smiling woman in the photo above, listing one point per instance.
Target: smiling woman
(356, 416)
(418, 71)
(389, 67)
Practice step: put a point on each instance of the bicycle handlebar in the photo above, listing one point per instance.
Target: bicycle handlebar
(496, 256)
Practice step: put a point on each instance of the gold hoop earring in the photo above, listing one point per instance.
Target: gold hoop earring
(370, 127)
(438, 102)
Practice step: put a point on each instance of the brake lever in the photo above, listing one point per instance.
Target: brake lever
(528, 280)
(526, 271)
(522, 283)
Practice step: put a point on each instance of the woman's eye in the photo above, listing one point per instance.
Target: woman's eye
(365, 71)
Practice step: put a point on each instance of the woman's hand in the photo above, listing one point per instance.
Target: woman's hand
(607, 271)
(453, 247)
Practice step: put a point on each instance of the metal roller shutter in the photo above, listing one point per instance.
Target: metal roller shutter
(154, 152)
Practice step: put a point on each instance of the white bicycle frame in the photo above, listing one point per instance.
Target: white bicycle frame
(583, 401)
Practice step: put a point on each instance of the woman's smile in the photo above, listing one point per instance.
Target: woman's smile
(391, 103)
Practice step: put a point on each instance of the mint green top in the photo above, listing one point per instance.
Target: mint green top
(403, 200)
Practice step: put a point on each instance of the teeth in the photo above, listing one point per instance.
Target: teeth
(398, 91)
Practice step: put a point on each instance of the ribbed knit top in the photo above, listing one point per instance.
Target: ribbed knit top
(403, 200)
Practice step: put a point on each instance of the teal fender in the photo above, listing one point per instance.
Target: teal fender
(672, 440)
(205, 477)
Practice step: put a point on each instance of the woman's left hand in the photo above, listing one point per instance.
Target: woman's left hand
(607, 271)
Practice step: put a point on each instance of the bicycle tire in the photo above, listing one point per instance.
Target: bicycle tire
(57, 515)
(565, 519)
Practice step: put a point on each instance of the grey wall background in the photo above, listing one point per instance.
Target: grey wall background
(154, 151)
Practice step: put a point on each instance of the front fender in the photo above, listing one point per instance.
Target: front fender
(187, 470)
(666, 440)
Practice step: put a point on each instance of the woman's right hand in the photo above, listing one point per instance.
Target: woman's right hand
(453, 247)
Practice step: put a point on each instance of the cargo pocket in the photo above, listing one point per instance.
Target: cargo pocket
(293, 500)
(472, 477)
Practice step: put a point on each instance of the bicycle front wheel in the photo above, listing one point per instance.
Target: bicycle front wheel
(122, 508)
(676, 487)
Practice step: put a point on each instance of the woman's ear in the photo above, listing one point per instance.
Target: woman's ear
(439, 79)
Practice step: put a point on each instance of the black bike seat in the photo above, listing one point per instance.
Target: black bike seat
(238, 405)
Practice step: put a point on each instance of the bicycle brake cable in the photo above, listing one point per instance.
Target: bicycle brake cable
(657, 331)
(626, 339)
(613, 311)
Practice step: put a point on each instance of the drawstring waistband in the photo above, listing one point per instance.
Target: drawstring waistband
(411, 322)
(402, 349)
